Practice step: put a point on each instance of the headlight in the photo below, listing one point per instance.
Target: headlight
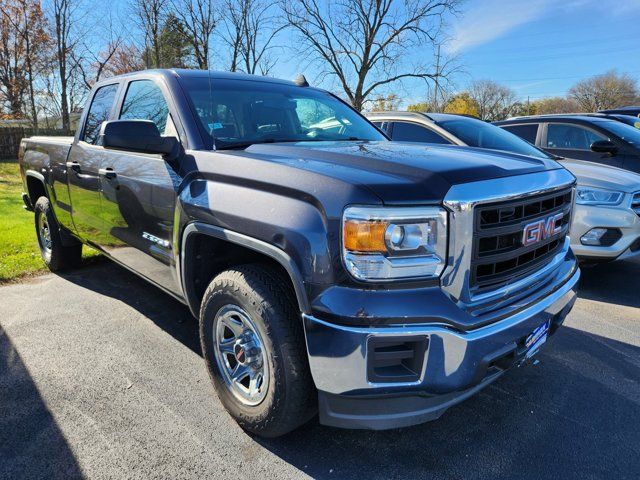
(383, 244)
(597, 196)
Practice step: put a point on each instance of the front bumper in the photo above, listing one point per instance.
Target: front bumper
(587, 217)
(455, 364)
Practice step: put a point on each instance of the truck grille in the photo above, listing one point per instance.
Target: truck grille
(635, 203)
(500, 255)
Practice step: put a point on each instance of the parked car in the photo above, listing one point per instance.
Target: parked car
(606, 223)
(628, 119)
(331, 270)
(631, 110)
(581, 137)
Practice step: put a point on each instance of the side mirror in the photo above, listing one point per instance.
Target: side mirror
(141, 136)
(604, 146)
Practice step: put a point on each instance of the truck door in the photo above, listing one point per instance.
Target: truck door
(138, 193)
(83, 165)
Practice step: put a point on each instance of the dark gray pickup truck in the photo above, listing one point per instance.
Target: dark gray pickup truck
(331, 270)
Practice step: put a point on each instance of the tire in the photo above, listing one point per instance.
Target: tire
(56, 256)
(274, 347)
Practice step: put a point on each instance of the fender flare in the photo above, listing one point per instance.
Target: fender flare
(40, 177)
(260, 246)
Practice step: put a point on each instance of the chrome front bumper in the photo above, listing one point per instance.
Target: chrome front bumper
(456, 364)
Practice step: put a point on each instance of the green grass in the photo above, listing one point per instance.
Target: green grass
(19, 253)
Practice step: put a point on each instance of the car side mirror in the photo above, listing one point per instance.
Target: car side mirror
(140, 136)
(604, 146)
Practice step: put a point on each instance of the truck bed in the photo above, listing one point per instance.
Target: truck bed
(40, 154)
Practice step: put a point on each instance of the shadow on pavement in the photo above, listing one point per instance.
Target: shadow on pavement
(109, 279)
(31, 444)
(612, 282)
(576, 414)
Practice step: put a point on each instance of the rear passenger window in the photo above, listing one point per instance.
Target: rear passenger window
(562, 135)
(410, 132)
(384, 126)
(99, 111)
(527, 132)
(144, 101)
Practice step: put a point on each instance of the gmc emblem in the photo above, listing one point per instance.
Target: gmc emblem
(542, 229)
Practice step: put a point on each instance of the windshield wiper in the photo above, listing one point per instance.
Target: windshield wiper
(248, 143)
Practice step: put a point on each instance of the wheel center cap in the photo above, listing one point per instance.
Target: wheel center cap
(240, 353)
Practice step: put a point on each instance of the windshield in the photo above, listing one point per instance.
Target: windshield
(629, 120)
(237, 113)
(626, 132)
(477, 133)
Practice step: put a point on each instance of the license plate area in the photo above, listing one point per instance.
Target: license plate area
(536, 339)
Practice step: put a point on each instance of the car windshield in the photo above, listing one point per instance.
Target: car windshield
(477, 133)
(237, 113)
(626, 132)
(629, 120)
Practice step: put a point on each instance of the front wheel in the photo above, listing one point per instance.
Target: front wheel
(55, 254)
(253, 345)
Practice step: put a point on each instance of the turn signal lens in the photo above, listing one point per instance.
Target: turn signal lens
(365, 236)
(394, 243)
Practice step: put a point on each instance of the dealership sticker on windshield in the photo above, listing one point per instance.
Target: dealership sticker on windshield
(536, 339)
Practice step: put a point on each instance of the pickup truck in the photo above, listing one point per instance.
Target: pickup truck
(332, 270)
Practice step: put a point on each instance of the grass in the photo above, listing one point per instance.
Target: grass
(19, 253)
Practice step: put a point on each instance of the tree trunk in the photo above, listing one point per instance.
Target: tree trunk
(34, 113)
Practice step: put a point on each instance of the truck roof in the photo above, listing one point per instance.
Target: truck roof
(192, 73)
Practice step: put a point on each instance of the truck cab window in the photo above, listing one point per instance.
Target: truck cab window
(99, 111)
(144, 101)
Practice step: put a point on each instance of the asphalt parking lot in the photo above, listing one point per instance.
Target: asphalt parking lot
(101, 377)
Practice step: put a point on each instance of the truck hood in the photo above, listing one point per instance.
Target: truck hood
(401, 172)
(602, 176)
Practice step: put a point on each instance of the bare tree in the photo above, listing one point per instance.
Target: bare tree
(250, 28)
(126, 58)
(29, 27)
(199, 20)
(609, 90)
(364, 43)
(150, 15)
(24, 43)
(492, 100)
(64, 15)
(93, 65)
(12, 79)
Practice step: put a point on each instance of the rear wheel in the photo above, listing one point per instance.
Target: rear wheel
(253, 345)
(55, 255)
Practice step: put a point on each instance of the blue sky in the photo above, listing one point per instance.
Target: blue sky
(539, 48)
(542, 47)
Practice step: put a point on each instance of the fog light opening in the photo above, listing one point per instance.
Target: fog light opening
(601, 237)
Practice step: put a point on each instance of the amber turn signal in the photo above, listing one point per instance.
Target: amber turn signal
(365, 236)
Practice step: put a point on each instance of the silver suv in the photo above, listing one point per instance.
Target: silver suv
(606, 223)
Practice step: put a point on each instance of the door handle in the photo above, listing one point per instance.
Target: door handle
(75, 166)
(108, 173)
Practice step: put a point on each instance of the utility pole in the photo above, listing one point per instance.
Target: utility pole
(437, 86)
